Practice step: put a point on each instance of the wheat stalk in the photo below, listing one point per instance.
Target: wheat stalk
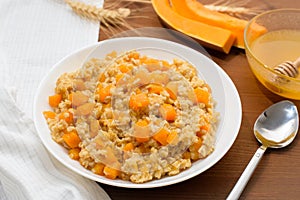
(115, 16)
(106, 16)
(239, 12)
(233, 8)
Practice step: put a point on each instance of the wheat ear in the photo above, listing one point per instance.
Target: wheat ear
(106, 16)
(233, 8)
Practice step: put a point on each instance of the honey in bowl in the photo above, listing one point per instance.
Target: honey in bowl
(278, 44)
(276, 47)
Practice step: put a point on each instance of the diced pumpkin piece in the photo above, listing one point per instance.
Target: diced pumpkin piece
(134, 55)
(155, 88)
(119, 77)
(99, 86)
(167, 112)
(54, 100)
(98, 169)
(128, 147)
(78, 98)
(104, 93)
(142, 59)
(138, 101)
(161, 136)
(186, 155)
(85, 109)
(111, 173)
(67, 116)
(205, 127)
(70, 96)
(196, 146)
(49, 114)
(202, 96)
(172, 137)
(203, 130)
(102, 77)
(208, 35)
(74, 153)
(166, 64)
(141, 131)
(124, 68)
(71, 139)
(151, 61)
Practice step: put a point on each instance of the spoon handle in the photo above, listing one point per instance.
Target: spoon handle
(243, 180)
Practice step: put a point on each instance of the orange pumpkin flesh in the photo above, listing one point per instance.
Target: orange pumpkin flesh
(208, 35)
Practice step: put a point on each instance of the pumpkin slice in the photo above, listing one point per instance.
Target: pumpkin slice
(208, 35)
(194, 10)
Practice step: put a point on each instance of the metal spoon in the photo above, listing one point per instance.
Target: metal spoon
(276, 127)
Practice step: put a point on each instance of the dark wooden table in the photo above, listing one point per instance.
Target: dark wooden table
(277, 175)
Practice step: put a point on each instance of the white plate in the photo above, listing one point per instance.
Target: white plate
(223, 89)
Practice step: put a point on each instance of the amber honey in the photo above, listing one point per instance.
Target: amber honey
(272, 49)
(276, 47)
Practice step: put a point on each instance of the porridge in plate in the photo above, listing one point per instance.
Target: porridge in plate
(133, 117)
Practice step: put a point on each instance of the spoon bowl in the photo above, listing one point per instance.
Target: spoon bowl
(276, 127)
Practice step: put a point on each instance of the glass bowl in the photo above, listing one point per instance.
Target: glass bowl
(278, 42)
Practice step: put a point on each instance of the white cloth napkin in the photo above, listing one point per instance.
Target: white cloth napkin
(27, 171)
(34, 35)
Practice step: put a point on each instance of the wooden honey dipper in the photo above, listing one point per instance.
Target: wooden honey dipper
(289, 68)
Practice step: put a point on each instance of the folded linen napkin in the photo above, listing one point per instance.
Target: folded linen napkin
(27, 171)
(34, 35)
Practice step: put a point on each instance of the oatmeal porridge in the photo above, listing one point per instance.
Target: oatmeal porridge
(133, 117)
